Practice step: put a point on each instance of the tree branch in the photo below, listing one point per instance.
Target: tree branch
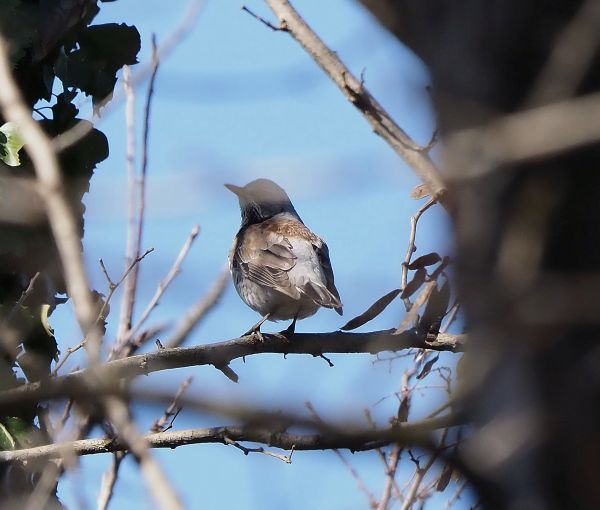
(221, 353)
(362, 440)
(359, 96)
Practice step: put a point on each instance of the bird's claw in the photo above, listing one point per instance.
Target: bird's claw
(290, 330)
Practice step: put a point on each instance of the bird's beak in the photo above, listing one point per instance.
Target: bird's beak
(235, 189)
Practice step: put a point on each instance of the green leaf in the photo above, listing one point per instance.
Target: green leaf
(24, 434)
(7, 442)
(12, 145)
(39, 345)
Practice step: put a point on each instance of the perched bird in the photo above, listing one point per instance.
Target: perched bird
(279, 267)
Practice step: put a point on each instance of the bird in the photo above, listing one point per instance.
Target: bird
(279, 267)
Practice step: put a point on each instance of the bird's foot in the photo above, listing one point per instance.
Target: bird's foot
(256, 333)
(290, 330)
(255, 330)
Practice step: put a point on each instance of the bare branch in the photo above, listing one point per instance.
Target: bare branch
(390, 479)
(137, 194)
(112, 287)
(198, 311)
(264, 21)
(221, 353)
(109, 479)
(164, 284)
(414, 220)
(285, 458)
(336, 437)
(161, 491)
(360, 97)
(420, 473)
(165, 422)
(357, 478)
(128, 297)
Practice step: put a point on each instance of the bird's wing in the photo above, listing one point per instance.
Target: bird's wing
(265, 257)
(332, 296)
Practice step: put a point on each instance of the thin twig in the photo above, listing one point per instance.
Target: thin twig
(390, 481)
(164, 284)
(420, 473)
(165, 422)
(281, 27)
(357, 478)
(160, 489)
(414, 220)
(285, 458)
(359, 96)
(383, 457)
(137, 192)
(456, 496)
(128, 298)
(198, 311)
(109, 479)
(110, 476)
(24, 295)
(112, 287)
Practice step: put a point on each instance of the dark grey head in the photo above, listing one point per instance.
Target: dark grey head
(260, 200)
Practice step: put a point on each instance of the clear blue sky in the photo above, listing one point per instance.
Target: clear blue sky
(235, 102)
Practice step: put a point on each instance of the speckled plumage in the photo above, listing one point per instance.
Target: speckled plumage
(279, 267)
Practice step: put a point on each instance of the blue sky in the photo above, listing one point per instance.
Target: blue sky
(234, 102)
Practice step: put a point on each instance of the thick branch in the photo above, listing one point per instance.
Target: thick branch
(381, 122)
(367, 439)
(222, 353)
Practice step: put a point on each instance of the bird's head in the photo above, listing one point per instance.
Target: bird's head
(260, 200)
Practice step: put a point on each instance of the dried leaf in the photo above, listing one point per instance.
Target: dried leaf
(403, 409)
(444, 478)
(424, 261)
(436, 309)
(374, 310)
(411, 316)
(438, 270)
(414, 284)
(420, 191)
(427, 367)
